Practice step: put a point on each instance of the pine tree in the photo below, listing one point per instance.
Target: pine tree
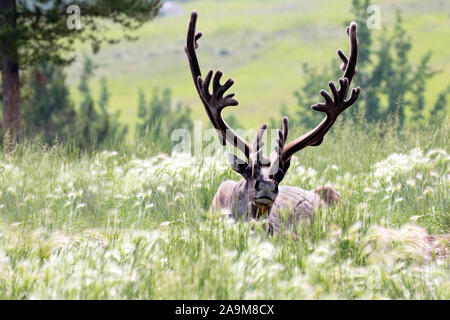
(399, 75)
(94, 127)
(38, 30)
(391, 84)
(48, 110)
(116, 132)
(437, 113)
(421, 75)
(159, 118)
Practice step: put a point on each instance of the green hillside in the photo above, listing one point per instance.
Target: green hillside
(265, 44)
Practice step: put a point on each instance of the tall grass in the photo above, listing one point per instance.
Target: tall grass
(135, 225)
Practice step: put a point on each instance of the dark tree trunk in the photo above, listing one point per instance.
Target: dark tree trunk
(12, 124)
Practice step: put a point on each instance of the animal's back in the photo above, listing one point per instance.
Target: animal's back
(291, 206)
(222, 198)
(294, 205)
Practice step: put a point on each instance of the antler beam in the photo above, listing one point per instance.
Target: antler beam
(213, 102)
(333, 106)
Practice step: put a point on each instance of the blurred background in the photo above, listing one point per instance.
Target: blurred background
(279, 52)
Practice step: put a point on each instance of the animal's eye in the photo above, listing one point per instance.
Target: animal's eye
(248, 171)
(278, 176)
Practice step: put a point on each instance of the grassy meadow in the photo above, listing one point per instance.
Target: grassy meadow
(126, 225)
(132, 223)
(261, 45)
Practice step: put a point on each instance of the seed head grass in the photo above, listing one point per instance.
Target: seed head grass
(116, 225)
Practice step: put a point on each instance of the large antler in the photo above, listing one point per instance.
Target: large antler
(214, 103)
(332, 107)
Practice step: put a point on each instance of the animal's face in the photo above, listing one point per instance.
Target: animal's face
(265, 185)
(262, 179)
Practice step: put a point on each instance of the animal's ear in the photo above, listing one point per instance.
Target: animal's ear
(238, 165)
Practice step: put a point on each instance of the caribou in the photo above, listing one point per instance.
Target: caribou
(258, 193)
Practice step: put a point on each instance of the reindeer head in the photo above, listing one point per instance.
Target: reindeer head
(263, 174)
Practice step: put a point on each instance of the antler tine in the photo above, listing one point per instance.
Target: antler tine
(257, 151)
(334, 105)
(282, 137)
(190, 47)
(285, 123)
(213, 103)
(351, 68)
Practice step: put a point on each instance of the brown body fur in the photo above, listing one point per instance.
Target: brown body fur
(290, 207)
(440, 245)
